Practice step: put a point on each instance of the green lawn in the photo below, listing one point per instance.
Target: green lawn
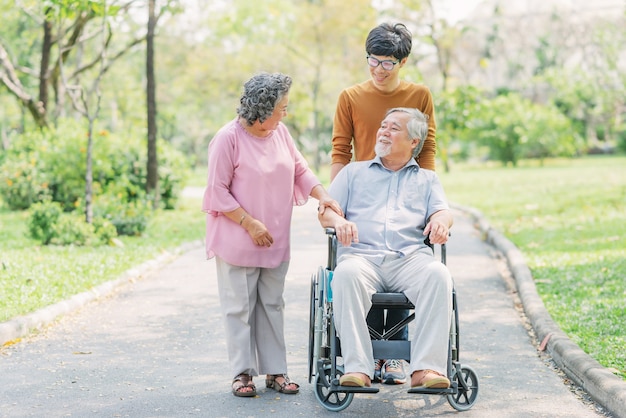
(568, 218)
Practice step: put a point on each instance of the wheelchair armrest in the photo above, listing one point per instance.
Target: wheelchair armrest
(332, 249)
(432, 247)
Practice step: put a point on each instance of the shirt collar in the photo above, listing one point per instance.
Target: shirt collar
(378, 161)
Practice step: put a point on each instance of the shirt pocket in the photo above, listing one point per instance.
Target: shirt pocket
(414, 200)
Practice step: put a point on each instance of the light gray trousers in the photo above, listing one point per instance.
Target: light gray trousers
(427, 284)
(253, 307)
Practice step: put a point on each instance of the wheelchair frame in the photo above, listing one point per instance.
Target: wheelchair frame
(324, 344)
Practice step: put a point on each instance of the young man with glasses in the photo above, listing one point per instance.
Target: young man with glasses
(360, 109)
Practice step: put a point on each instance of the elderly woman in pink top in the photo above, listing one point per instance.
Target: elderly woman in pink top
(255, 176)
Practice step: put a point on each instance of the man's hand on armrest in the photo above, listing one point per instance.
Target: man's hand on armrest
(438, 227)
(345, 230)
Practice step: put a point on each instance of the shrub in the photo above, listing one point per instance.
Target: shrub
(22, 182)
(43, 218)
(105, 230)
(51, 163)
(621, 137)
(128, 218)
(73, 230)
(513, 128)
(48, 224)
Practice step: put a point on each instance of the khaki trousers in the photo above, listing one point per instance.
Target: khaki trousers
(253, 307)
(427, 284)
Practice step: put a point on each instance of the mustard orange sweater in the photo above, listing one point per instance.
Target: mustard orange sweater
(360, 110)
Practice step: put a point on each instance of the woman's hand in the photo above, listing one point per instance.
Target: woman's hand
(328, 202)
(258, 232)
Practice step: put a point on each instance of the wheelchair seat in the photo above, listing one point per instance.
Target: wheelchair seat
(391, 301)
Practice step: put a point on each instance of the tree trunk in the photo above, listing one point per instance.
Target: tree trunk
(45, 64)
(152, 181)
(89, 175)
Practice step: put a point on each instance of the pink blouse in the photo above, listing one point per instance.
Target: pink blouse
(266, 177)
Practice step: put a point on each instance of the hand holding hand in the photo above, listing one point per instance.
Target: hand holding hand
(328, 202)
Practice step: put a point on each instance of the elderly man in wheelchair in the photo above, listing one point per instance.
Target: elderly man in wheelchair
(391, 206)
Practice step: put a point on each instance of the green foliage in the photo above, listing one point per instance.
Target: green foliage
(71, 229)
(128, 217)
(174, 170)
(458, 112)
(104, 230)
(22, 182)
(509, 126)
(52, 163)
(48, 224)
(43, 217)
(514, 128)
(621, 138)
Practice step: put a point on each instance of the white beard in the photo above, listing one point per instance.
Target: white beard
(382, 150)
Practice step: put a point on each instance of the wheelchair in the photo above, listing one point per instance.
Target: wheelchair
(325, 346)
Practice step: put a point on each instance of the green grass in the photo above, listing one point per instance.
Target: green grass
(568, 218)
(33, 276)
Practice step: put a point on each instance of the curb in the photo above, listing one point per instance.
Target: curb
(18, 327)
(603, 386)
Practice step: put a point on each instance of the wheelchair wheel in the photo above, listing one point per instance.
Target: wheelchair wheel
(334, 402)
(466, 396)
(315, 321)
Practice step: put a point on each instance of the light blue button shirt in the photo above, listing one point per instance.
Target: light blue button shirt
(389, 208)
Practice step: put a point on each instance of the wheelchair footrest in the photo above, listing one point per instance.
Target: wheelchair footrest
(452, 390)
(354, 389)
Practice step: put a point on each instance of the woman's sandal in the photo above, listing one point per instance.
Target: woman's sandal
(270, 382)
(243, 381)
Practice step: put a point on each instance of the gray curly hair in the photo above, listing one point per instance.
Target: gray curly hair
(261, 94)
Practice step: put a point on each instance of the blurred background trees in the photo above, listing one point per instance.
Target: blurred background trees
(511, 80)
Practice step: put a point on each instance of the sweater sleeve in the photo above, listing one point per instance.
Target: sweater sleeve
(426, 157)
(342, 131)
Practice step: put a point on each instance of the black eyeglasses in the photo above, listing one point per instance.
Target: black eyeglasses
(386, 64)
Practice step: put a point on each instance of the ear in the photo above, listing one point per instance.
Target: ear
(403, 61)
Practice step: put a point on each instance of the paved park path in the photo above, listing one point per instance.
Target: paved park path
(155, 348)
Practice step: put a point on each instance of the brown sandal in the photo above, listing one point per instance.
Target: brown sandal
(270, 382)
(243, 381)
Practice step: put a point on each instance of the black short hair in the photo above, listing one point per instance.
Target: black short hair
(389, 40)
